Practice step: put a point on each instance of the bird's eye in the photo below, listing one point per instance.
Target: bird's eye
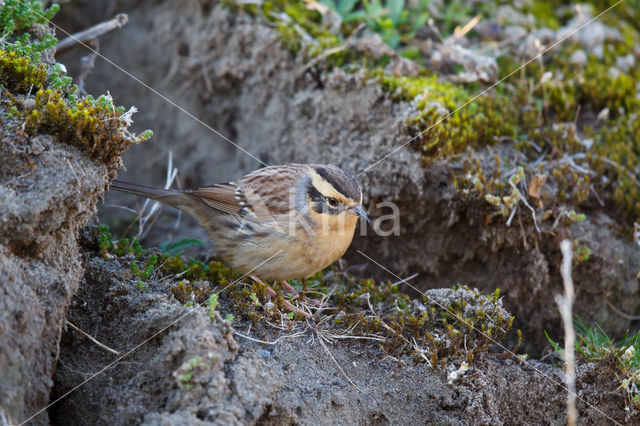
(332, 202)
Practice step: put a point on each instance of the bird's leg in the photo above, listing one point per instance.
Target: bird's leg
(271, 291)
(290, 289)
(304, 284)
(285, 302)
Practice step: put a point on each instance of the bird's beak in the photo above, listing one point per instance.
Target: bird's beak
(360, 212)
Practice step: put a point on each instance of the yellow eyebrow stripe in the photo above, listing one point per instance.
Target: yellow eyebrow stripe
(326, 189)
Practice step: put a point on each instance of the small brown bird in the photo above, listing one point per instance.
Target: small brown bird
(277, 223)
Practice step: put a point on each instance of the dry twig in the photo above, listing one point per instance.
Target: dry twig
(565, 304)
(92, 33)
(320, 339)
(103, 346)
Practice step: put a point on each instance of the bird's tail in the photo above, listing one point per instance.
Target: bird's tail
(173, 197)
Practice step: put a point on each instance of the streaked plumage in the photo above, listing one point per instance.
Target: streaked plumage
(304, 214)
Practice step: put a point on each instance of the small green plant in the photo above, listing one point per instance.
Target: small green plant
(148, 268)
(576, 217)
(254, 299)
(229, 318)
(393, 20)
(168, 248)
(104, 237)
(16, 18)
(140, 285)
(621, 358)
(184, 375)
(212, 306)
(582, 252)
(95, 126)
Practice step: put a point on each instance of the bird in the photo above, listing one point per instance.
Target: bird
(276, 223)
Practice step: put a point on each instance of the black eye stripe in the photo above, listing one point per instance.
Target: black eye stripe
(342, 182)
(313, 193)
(320, 204)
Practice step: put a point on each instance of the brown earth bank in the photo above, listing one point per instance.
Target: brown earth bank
(200, 371)
(231, 71)
(48, 190)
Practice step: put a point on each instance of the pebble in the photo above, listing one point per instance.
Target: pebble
(626, 63)
(579, 58)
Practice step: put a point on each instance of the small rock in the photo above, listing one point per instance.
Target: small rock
(514, 32)
(546, 77)
(598, 51)
(546, 35)
(592, 37)
(586, 142)
(401, 66)
(614, 72)
(578, 58)
(489, 30)
(603, 115)
(373, 47)
(28, 104)
(508, 15)
(477, 67)
(626, 63)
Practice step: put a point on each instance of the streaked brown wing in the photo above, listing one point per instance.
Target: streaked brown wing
(263, 194)
(225, 197)
(269, 190)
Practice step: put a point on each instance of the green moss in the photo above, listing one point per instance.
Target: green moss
(185, 374)
(457, 326)
(522, 111)
(212, 306)
(123, 247)
(20, 15)
(148, 267)
(430, 330)
(19, 74)
(478, 124)
(191, 292)
(95, 126)
(17, 19)
(616, 157)
(196, 270)
(544, 12)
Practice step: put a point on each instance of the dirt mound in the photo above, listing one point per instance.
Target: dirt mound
(48, 190)
(197, 371)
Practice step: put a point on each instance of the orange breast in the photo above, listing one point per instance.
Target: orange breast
(292, 255)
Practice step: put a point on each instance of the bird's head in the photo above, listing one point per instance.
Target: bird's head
(334, 198)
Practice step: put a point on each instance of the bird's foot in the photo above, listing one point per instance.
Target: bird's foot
(285, 302)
